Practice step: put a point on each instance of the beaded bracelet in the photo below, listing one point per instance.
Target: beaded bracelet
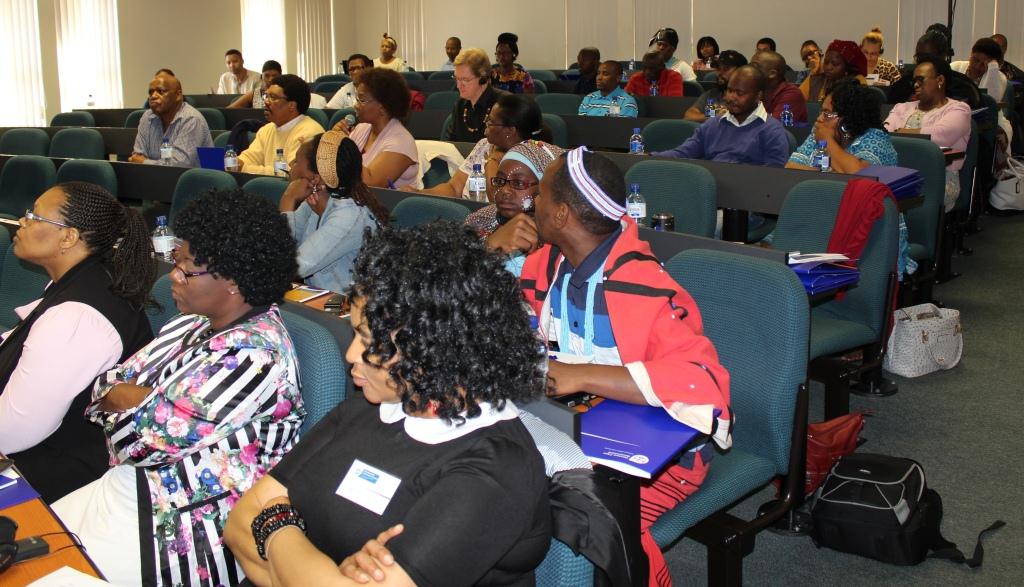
(266, 514)
(272, 519)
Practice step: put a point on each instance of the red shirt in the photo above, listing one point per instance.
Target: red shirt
(786, 93)
(670, 83)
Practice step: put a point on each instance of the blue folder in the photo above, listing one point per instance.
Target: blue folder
(904, 182)
(826, 277)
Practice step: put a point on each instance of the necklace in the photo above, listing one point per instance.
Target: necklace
(465, 119)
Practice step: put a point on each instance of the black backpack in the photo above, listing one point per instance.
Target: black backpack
(881, 507)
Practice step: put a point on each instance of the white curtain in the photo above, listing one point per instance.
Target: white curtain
(405, 22)
(263, 32)
(88, 54)
(314, 39)
(21, 64)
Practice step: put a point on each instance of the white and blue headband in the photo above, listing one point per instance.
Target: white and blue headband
(591, 191)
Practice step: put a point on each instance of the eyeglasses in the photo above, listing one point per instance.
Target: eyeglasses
(181, 276)
(362, 100)
(489, 122)
(830, 114)
(274, 98)
(33, 216)
(517, 184)
(464, 80)
(810, 55)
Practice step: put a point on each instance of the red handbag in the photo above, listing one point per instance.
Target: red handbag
(826, 442)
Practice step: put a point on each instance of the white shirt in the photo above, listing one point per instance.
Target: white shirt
(448, 66)
(437, 430)
(317, 101)
(82, 342)
(682, 68)
(993, 80)
(759, 113)
(398, 64)
(345, 97)
(229, 84)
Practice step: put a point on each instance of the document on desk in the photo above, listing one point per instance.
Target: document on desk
(636, 439)
(14, 489)
(67, 577)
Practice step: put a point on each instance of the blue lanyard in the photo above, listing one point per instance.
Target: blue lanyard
(588, 318)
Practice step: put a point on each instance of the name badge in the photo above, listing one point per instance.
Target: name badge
(368, 486)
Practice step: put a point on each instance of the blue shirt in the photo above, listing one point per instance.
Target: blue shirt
(758, 140)
(187, 132)
(594, 104)
(605, 350)
(328, 244)
(873, 146)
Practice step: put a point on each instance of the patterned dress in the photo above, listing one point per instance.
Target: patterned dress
(517, 82)
(224, 408)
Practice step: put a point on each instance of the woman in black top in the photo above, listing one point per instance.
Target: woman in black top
(89, 318)
(476, 96)
(433, 443)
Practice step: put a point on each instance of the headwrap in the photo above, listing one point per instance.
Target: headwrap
(597, 197)
(327, 157)
(851, 54)
(535, 155)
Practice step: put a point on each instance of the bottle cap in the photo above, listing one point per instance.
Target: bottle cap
(476, 167)
(161, 220)
(636, 130)
(634, 187)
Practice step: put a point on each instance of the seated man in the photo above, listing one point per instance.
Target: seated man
(728, 61)
(170, 117)
(609, 99)
(654, 79)
(599, 292)
(588, 60)
(345, 97)
(745, 135)
(256, 97)
(665, 42)
(237, 79)
(778, 93)
(287, 129)
(452, 48)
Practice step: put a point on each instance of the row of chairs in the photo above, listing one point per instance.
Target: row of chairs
(84, 143)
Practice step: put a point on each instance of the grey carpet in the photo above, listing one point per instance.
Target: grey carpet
(964, 426)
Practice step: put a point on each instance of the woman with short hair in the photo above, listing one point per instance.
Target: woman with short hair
(388, 59)
(201, 412)
(476, 96)
(707, 54)
(90, 317)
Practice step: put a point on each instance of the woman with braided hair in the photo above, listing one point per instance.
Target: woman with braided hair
(327, 176)
(89, 318)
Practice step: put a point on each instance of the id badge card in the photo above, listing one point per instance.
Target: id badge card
(368, 486)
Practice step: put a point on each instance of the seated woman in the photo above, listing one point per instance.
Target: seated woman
(810, 54)
(872, 45)
(195, 417)
(707, 54)
(387, 59)
(513, 119)
(506, 74)
(89, 318)
(948, 121)
(850, 123)
(435, 424)
(390, 158)
(257, 97)
(843, 60)
(329, 228)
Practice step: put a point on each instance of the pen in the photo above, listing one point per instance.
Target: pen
(391, 185)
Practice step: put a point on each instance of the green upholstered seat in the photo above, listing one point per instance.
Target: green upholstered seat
(23, 179)
(566, 104)
(542, 74)
(271, 188)
(214, 118)
(412, 76)
(100, 173)
(416, 210)
(318, 115)
(923, 221)
(665, 134)
(194, 182)
(25, 141)
(328, 87)
(539, 87)
(562, 568)
(79, 143)
(441, 75)
(20, 283)
(76, 118)
(441, 101)
(133, 118)
(558, 128)
(322, 368)
(166, 308)
(333, 77)
(685, 190)
(692, 89)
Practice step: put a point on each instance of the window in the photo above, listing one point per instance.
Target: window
(263, 32)
(88, 54)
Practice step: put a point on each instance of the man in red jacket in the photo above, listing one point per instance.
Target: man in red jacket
(600, 294)
(655, 79)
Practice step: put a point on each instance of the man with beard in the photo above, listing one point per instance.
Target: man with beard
(170, 117)
(288, 127)
(777, 91)
(745, 134)
(728, 61)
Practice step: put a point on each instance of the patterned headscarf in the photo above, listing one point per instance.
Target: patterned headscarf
(536, 155)
(851, 54)
(327, 156)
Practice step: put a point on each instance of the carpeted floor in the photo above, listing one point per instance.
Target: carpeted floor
(965, 426)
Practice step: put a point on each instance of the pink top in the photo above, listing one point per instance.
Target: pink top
(67, 348)
(394, 138)
(949, 126)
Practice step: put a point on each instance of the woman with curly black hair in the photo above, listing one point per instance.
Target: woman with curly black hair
(444, 352)
(90, 316)
(850, 124)
(195, 417)
(327, 176)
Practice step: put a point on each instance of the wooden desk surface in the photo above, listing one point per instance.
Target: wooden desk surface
(35, 518)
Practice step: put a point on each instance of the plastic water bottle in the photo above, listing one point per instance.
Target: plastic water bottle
(90, 102)
(636, 143)
(787, 116)
(632, 68)
(826, 160)
(230, 159)
(709, 108)
(654, 89)
(166, 151)
(899, 65)
(819, 149)
(614, 109)
(280, 165)
(636, 205)
(477, 184)
(163, 240)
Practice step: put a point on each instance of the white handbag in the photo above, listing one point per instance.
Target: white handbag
(1008, 193)
(925, 338)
